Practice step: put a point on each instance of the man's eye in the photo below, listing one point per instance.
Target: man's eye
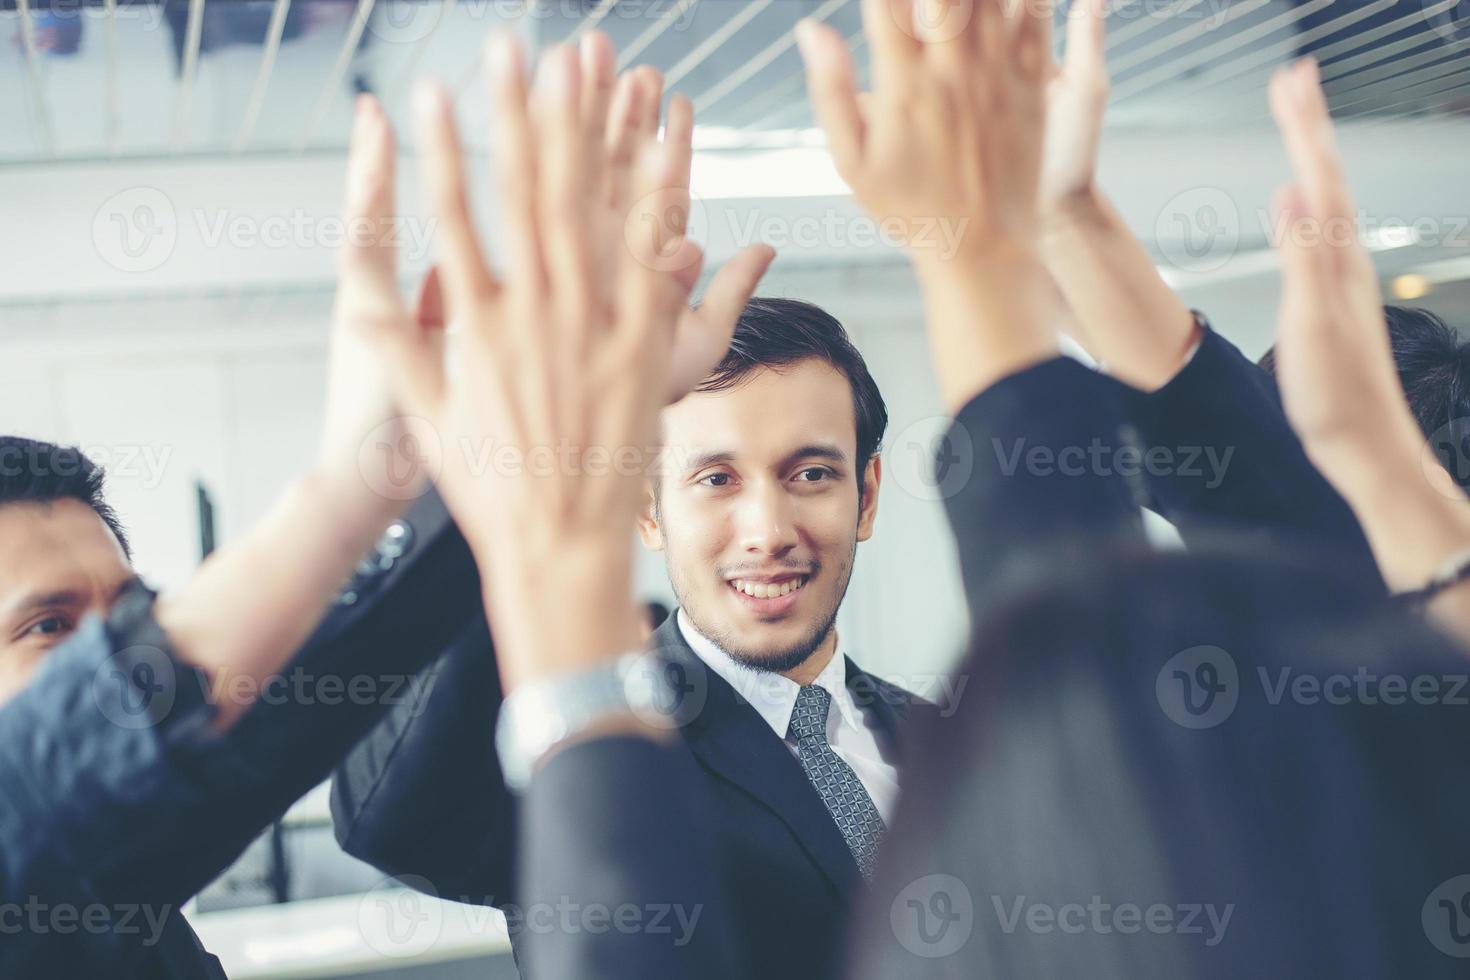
(50, 626)
(716, 480)
(813, 474)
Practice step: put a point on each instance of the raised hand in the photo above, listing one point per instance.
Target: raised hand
(1076, 98)
(704, 331)
(1335, 366)
(950, 136)
(363, 430)
(1334, 363)
(558, 362)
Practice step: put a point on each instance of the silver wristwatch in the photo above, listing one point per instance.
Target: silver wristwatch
(538, 715)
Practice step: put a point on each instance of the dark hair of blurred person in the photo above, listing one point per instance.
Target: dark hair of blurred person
(63, 552)
(1433, 365)
(1091, 824)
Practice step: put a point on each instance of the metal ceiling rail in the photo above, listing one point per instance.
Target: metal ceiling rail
(593, 18)
(655, 31)
(332, 87)
(1444, 66)
(709, 45)
(1391, 69)
(33, 70)
(1273, 54)
(1377, 53)
(273, 33)
(1146, 23)
(788, 97)
(1202, 56)
(761, 59)
(1459, 97)
(189, 71)
(404, 76)
(1174, 39)
(1333, 69)
(1410, 94)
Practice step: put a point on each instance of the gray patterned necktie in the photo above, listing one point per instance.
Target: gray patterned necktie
(839, 787)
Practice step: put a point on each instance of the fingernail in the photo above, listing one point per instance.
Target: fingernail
(804, 28)
(504, 51)
(426, 98)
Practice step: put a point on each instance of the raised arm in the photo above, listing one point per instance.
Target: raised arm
(1127, 317)
(136, 764)
(953, 132)
(1336, 369)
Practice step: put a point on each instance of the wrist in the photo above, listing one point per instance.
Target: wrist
(1413, 515)
(559, 608)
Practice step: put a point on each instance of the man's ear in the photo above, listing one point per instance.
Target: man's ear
(648, 526)
(868, 511)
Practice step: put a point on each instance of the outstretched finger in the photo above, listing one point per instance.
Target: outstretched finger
(703, 336)
(369, 261)
(832, 87)
(460, 260)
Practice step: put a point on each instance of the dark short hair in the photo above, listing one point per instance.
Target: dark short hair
(1433, 368)
(777, 332)
(41, 472)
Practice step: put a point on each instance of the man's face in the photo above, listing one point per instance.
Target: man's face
(58, 562)
(758, 515)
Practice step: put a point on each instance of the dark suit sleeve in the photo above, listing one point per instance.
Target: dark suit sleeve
(1229, 461)
(421, 795)
(615, 832)
(1047, 451)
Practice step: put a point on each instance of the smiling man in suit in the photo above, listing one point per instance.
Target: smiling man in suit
(768, 483)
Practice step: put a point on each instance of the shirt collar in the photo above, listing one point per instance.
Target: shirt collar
(770, 694)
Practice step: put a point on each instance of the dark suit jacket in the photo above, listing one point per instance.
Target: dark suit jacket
(423, 797)
(604, 804)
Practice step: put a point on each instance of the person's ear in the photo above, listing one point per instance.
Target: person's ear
(868, 511)
(649, 530)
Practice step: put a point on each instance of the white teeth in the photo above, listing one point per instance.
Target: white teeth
(764, 590)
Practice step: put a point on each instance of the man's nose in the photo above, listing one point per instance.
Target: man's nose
(768, 522)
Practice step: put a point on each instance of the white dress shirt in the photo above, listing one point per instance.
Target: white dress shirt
(850, 730)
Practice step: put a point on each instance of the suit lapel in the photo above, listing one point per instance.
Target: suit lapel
(731, 739)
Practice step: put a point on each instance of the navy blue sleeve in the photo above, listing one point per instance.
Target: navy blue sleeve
(1230, 463)
(617, 855)
(1039, 463)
